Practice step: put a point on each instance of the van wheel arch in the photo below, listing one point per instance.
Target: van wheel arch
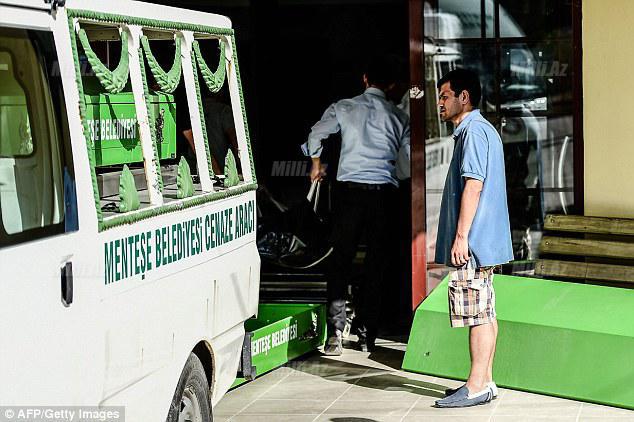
(192, 397)
(203, 351)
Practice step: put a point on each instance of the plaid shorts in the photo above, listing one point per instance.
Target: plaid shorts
(471, 297)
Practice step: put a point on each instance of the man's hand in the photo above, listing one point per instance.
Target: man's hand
(317, 171)
(460, 251)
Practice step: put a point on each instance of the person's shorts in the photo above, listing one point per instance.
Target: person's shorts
(471, 297)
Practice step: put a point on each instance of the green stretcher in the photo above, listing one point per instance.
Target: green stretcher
(282, 332)
(113, 125)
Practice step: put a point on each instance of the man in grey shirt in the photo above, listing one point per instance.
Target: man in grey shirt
(373, 131)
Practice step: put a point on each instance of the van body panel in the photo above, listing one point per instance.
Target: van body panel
(145, 292)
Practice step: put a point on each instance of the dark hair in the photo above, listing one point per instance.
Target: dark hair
(463, 80)
(381, 71)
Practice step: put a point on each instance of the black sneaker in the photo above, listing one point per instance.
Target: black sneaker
(366, 342)
(366, 345)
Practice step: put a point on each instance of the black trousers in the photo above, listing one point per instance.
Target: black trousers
(361, 211)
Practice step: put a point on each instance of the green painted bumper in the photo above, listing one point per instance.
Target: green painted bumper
(562, 339)
(283, 332)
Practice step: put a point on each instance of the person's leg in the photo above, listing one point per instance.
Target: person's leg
(489, 377)
(377, 226)
(494, 323)
(483, 336)
(472, 304)
(344, 240)
(481, 348)
(477, 389)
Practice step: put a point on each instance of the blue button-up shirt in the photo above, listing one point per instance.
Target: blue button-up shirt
(373, 132)
(478, 154)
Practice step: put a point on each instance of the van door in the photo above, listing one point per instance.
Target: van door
(47, 323)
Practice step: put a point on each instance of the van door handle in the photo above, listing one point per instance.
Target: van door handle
(67, 284)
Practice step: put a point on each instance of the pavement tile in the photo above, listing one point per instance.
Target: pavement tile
(251, 389)
(538, 409)
(235, 400)
(517, 396)
(298, 379)
(521, 404)
(589, 410)
(299, 406)
(276, 418)
(271, 377)
(533, 419)
(382, 358)
(316, 391)
(358, 418)
(376, 407)
(425, 407)
(445, 418)
(328, 368)
(391, 387)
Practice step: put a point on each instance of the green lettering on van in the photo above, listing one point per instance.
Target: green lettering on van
(108, 258)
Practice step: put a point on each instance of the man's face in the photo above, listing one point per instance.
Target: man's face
(449, 106)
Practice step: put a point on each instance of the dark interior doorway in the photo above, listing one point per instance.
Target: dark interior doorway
(296, 58)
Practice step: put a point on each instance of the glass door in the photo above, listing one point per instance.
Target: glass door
(525, 54)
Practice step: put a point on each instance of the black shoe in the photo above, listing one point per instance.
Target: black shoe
(366, 343)
(334, 344)
(366, 339)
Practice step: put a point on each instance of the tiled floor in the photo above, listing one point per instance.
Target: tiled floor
(362, 387)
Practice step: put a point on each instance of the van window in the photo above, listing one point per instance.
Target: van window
(36, 173)
(218, 114)
(218, 124)
(111, 118)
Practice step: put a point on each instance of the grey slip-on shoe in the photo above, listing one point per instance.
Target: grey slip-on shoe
(494, 390)
(462, 398)
(460, 394)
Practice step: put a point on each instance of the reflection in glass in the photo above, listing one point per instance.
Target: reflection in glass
(15, 126)
(456, 19)
(537, 19)
(537, 77)
(527, 94)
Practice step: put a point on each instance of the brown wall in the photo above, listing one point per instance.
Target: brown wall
(608, 107)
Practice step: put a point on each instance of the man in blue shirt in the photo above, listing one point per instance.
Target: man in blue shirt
(473, 232)
(373, 132)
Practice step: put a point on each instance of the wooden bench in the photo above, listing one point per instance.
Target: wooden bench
(598, 250)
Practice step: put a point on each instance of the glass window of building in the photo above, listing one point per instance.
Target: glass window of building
(523, 52)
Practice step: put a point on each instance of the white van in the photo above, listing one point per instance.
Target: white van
(125, 280)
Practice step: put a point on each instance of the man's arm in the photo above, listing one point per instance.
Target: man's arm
(403, 156)
(326, 126)
(468, 207)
